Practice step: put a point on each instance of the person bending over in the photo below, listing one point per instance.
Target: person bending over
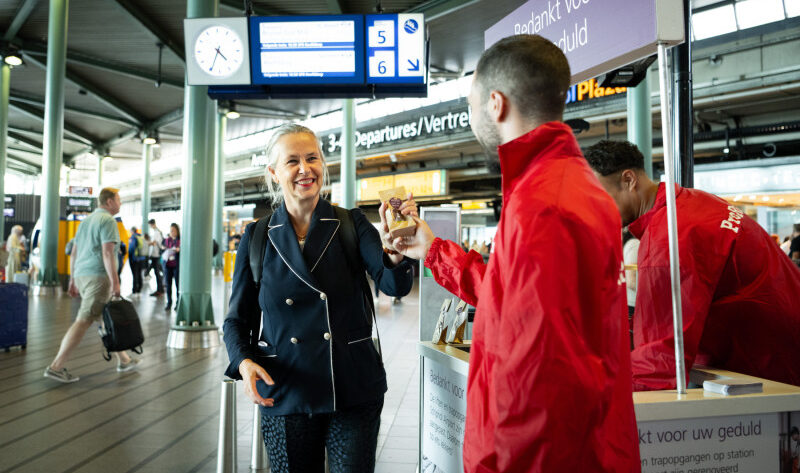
(740, 295)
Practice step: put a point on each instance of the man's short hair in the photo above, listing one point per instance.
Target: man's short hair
(530, 71)
(608, 157)
(152, 221)
(105, 194)
(796, 227)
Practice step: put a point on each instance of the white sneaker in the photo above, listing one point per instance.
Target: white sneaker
(61, 375)
(129, 366)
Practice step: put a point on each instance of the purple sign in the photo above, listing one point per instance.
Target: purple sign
(596, 35)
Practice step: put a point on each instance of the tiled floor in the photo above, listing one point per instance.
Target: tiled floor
(163, 417)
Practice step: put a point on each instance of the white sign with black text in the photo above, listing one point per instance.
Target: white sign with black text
(732, 444)
(445, 400)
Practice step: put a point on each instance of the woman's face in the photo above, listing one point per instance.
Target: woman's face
(299, 167)
(173, 232)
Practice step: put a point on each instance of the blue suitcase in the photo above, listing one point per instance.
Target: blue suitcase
(13, 315)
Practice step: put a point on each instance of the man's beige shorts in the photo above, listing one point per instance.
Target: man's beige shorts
(95, 293)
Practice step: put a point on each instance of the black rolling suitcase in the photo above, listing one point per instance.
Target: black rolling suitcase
(13, 315)
(121, 328)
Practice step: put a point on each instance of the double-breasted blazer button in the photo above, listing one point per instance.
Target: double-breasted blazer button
(289, 302)
(294, 340)
(327, 336)
(323, 296)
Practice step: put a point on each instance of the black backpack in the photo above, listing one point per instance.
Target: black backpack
(121, 328)
(349, 240)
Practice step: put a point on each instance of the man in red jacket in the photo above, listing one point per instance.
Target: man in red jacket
(549, 374)
(740, 293)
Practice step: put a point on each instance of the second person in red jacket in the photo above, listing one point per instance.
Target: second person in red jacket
(740, 294)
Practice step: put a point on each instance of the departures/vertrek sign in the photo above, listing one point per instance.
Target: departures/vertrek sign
(597, 36)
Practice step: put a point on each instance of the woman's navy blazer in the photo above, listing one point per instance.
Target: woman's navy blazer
(316, 330)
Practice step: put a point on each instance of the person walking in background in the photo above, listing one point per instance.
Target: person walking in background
(794, 247)
(16, 252)
(156, 245)
(171, 259)
(93, 276)
(121, 252)
(136, 255)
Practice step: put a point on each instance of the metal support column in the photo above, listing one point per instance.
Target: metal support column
(147, 156)
(219, 188)
(5, 87)
(53, 134)
(640, 121)
(100, 159)
(348, 164)
(682, 109)
(194, 323)
(672, 219)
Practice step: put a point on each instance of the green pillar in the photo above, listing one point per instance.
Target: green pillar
(5, 79)
(194, 323)
(348, 164)
(99, 172)
(53, 134)
(219, 187)
(640, 121)
(147, 156)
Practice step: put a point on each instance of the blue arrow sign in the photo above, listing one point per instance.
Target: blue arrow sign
(414, 66)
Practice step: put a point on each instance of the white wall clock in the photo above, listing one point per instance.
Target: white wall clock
(217, 51)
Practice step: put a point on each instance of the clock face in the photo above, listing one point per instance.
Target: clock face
(219, 51)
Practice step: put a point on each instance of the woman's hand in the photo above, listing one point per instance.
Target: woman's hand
(409, 208)
(252, 372)
(415, 246)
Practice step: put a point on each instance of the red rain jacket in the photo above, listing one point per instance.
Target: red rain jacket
(740, 294)
(549, 385)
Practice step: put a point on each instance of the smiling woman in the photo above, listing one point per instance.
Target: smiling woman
(288, 144)
(309, 360)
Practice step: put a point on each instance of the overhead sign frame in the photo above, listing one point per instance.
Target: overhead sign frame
(597, 36)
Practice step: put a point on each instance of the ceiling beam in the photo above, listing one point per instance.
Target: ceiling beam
(20, 18)
(38, 114)
(23, 165)
(24, 139)
(41, 133)
(105, 97)
(83, 59)
(238, 5)
(156, 30)
(39, 102)
(334, 7)
(434, 9)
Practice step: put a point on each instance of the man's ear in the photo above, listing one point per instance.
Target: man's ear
(497, 106)
(628, 180)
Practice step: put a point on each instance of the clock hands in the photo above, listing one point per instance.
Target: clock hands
(214, 61)
(219, 53)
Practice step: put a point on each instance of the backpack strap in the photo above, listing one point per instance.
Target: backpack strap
(350, 243)
(258, 245)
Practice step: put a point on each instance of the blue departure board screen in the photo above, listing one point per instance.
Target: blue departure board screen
(307, 49)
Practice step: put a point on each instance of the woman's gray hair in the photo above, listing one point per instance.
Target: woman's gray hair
(274, 190)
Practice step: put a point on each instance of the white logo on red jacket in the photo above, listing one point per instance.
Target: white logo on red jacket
(734, 218)
(621, 279)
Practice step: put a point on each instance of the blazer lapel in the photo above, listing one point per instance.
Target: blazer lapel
(281, 235)
(320, 234)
